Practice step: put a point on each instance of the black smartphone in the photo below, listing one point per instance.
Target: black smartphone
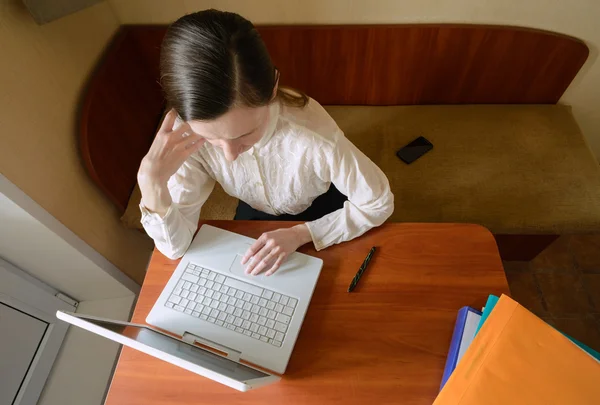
(414, 150)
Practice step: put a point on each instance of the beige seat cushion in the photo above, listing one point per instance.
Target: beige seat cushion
(514, 169)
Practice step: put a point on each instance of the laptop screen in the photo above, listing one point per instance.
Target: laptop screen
(174, 347)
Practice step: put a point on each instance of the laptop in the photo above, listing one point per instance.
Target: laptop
(210, 300)
(174, 351)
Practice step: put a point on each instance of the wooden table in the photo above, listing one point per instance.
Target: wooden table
(385, 343)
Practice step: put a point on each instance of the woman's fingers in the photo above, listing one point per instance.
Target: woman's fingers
(169, 121)
(184, 141)
(276, 265)
(262, 264)
(258, 251)
(190, 142)
(196, 143)
(269, 251)
(182, 133)
(257, 258)
(252, 250)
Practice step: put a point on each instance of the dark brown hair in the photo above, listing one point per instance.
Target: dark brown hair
(212, 60)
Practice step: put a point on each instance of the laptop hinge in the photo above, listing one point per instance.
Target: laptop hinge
(230, 353)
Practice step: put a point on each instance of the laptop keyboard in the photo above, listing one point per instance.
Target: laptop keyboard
(245, 308)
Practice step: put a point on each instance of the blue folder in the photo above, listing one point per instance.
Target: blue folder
(460, 341)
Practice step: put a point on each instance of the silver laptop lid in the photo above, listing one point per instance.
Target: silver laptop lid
(173, 350)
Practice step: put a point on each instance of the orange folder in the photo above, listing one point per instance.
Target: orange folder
(517, 359)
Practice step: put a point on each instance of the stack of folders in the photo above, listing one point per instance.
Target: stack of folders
(506, 355)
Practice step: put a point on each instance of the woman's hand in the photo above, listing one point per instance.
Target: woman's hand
(272, 248)
(170, 148)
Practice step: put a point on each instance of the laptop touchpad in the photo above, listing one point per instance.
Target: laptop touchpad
(237, 267)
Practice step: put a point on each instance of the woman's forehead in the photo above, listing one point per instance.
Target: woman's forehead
(236, 122)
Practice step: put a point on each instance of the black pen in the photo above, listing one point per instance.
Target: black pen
(361, 270)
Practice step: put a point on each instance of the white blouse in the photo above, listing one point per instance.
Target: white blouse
(302, 152)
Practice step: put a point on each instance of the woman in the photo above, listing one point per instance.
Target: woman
(275, 149)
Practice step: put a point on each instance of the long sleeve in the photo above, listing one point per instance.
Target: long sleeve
(370, 200)
(189, 187)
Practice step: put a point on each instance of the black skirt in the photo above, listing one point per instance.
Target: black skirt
(324, 204)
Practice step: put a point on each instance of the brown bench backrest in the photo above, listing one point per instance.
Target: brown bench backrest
(345, 65)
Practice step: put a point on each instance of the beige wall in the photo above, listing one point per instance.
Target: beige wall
(42, 71)
(579, 18)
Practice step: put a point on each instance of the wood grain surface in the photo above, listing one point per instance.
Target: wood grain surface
(385, 343)
(120, 111)
(348, 65)
(425, 64)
